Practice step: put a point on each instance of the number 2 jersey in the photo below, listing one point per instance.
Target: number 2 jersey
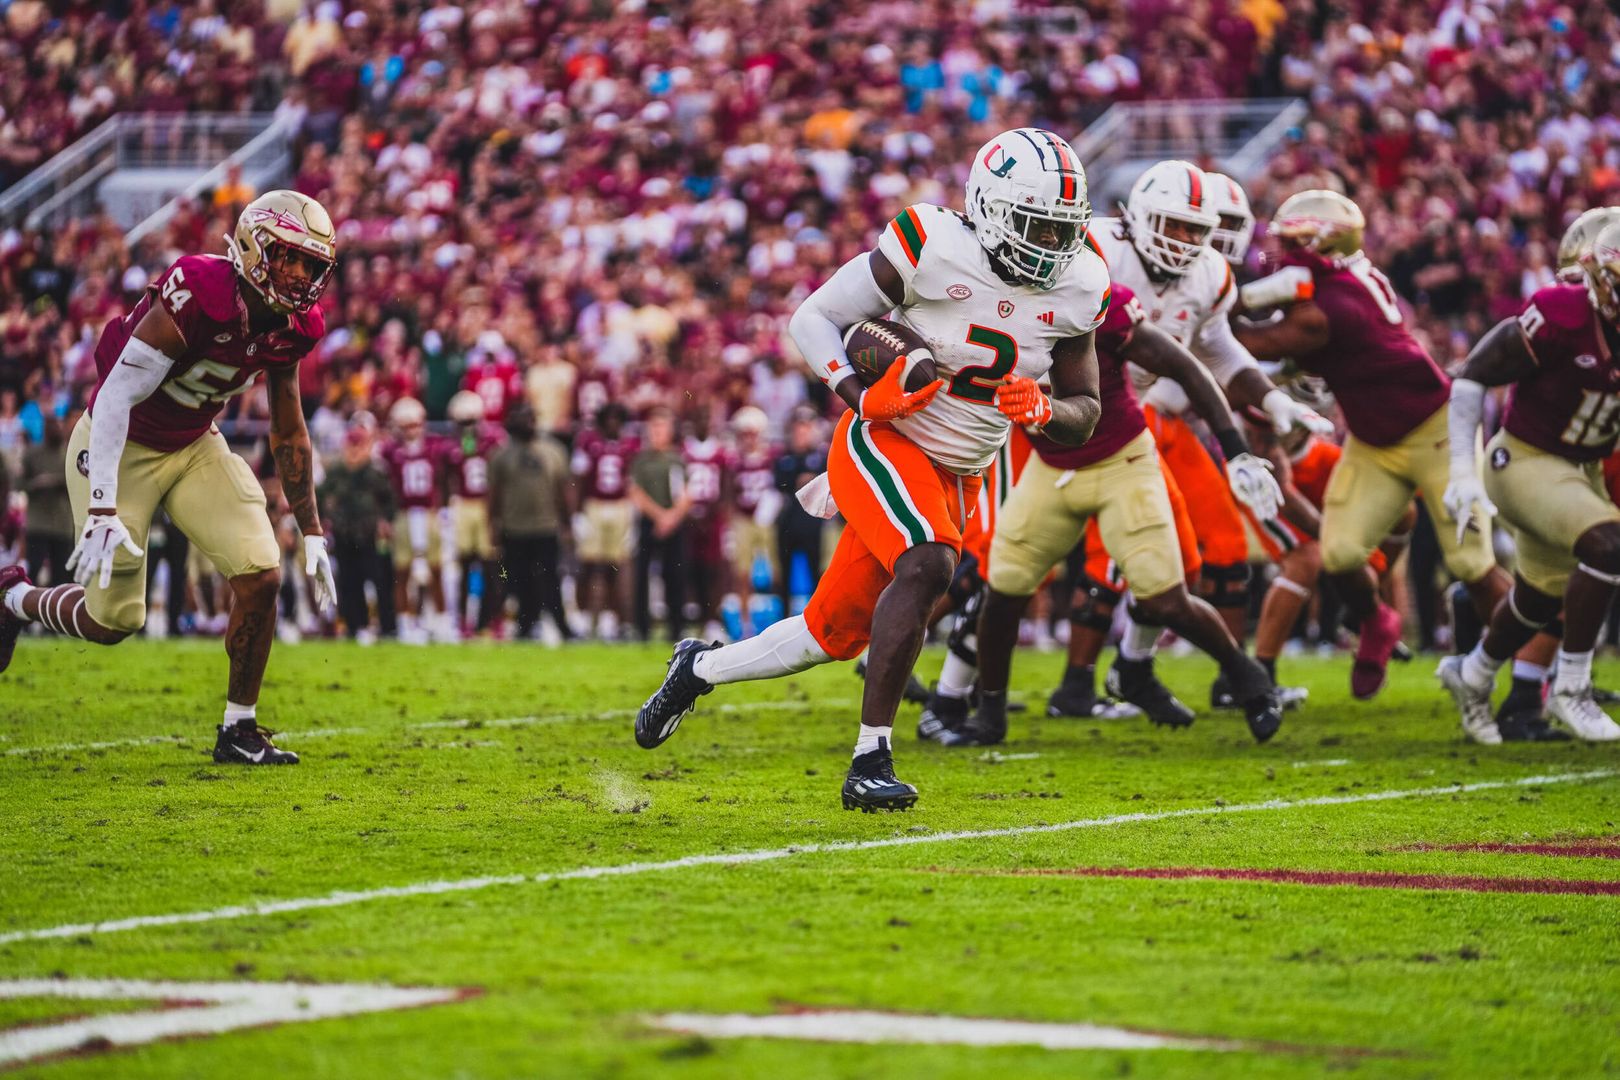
(1570, 404)
(980, 328)
(221, 358)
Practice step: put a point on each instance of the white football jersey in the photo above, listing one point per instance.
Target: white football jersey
(1194, 308)
(980, 328)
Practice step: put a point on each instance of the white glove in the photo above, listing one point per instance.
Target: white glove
(318, 568)
(103, 535)
(1285, 413)
(421, 572)
(1465, 498)
(1254, 486)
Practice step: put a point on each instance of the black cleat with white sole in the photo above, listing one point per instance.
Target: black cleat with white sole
(986, 727)
(872, 786)
(1258, 696)
(941, 716)
(663, 712)
(1135, 682)
(246, 743)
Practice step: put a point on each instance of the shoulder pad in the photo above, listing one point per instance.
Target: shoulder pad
(1564, 306)
(212, 282)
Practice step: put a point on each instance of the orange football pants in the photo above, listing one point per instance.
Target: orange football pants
(893, 498)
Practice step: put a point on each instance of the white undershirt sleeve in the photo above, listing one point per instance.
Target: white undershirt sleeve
(1463, 420)
(1219, 349)
(846, 298)
(139, 370)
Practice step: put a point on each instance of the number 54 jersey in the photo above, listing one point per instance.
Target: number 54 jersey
(980, 328)
(221, 358)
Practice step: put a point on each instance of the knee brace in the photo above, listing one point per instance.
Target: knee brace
(1096, 611)
(963, 641)
(1228, 584)
(966, 582)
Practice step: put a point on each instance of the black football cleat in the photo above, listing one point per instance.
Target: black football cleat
(915, 691)
(1520, 717)
(1133, 681)
(1222, 698)
(872, 786)
(940, 716)
(246, 743)
(1072, 699)
(663, 712)
(10, 625)
(1259, 698)
(986, 727)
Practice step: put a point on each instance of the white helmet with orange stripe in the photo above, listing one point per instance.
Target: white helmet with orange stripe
(1170, 215)
(1232, 236)
(1026, 199)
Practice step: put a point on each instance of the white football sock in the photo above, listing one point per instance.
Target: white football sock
(1140, 642)
(784, 648)
(868, 739)
(235, 712)
(1479, 667)
(955, 677)
(1574, 672)
(1524, 669)
(14, 598)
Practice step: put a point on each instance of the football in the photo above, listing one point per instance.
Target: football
(876, 343)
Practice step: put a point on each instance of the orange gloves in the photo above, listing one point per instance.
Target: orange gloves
(1022, 401)
(886, 399)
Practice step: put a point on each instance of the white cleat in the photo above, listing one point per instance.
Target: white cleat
(1474, 705)
(1579, 714)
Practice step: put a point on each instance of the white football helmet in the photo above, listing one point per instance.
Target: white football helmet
(1232, 236)
(1170, 192)
(1026, 199)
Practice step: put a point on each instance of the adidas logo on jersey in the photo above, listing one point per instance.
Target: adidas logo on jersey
(1046, 317)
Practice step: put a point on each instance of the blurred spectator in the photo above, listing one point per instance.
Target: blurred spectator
(658, 489)
(43, 479)
(357, 500)
(529, 492)
(798, 533)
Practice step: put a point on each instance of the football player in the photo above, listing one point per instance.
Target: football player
(418, 465)
(199, 335)
(468, 460)
(1545, 472)
(1160, 249)
(1234, 232)
(705, 459)
(601, 464)
(1342, 321)
(751, 534)
(1520, 717)
(1116, 478)
(1005, 295)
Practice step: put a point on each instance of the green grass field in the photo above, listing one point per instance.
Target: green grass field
(446, 765)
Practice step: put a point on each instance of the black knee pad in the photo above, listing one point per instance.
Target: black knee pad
(964, 636)
(1228, 585)
(1096, 611)
(966, 583)
(1555, 628)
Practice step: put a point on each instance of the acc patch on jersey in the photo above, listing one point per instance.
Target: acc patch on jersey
(959, 292)
(83, 463)
(1499, 458)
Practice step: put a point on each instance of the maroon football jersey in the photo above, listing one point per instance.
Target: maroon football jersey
(1569, 405)
(1384, 381)
(418, 471)
(221, 358)
(604, 464)
(1122, 418)
(705, 461)
(754, 473)
(593, 389)
(497, 382)
(468, 459)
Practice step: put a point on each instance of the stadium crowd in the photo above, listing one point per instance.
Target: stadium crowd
(592, 215)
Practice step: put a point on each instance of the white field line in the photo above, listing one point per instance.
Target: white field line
(225, 1007)
(426, 725)
(1325, 764)
(739, 858)
(876, 1027)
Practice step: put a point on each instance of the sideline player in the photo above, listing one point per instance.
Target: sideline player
(1546, 474)
(419, 466)
(200, 335)
(1161, 249)
(1004, 295)
(1343, 322)
(476, 441)
(1117, 480)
